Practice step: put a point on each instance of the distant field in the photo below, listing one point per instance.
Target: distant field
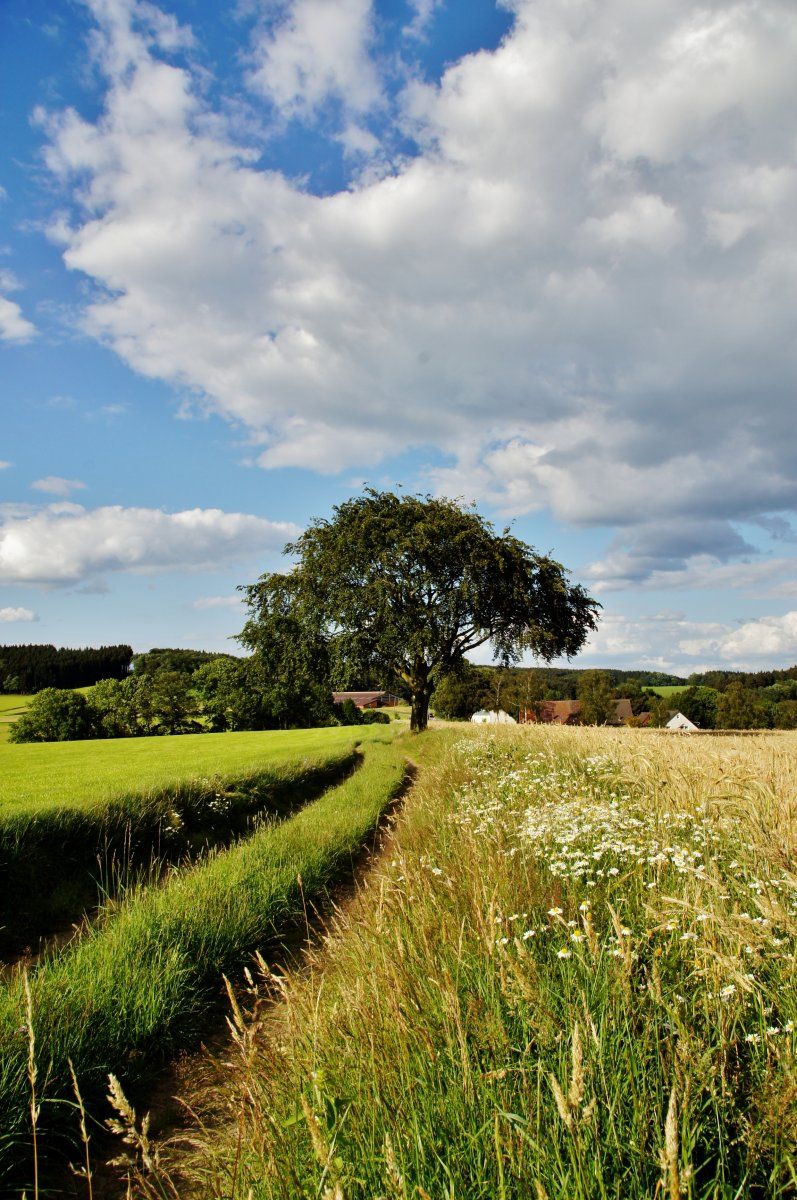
(670, 689)
(11, 707)
(76, 774)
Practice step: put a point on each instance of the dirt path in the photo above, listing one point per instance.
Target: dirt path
(182, 1099)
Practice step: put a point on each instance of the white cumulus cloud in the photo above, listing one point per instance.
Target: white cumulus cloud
(582, 289)
(66, 543)
(14, 327)
(56, 485)
(315, 51)
(9, 615)
(766, 639)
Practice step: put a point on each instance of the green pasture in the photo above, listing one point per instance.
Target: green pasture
(11, 707)
(42, 775)
(670, 689)
(140, 983)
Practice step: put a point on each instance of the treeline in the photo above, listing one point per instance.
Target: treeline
(173, 659)
(755, 680)
(224, 693)
(738, 706)
(30, 668)
(564, 683)
(461, 693)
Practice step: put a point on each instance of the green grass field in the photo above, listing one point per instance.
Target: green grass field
(39, 775)
(141, 982)
(80, 820)
(11, 707)
(670, 689)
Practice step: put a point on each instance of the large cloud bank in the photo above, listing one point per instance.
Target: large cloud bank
(582, 288)
(65, 543)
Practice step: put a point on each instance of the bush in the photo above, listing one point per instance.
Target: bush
(54, 715)
(373, 716)
(348, 713)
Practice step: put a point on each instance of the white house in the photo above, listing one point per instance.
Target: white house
(483, 717)
(681, 723)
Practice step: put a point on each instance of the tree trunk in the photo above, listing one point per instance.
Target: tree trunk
(419, 716)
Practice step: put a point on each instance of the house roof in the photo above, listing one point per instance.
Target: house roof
(357, 697)
(624, 710)
(562, 712)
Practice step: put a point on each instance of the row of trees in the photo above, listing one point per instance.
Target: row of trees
(737, 707)
(224, 694)
(29, 668)
(720, 680)
(461, 693)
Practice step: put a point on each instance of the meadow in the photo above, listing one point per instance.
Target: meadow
(571, 975)
(139, 983)
(37, 776)
(11, 707)
(91, 817)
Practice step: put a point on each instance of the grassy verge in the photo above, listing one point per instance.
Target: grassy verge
(60, 864)
(139, 986)
(575, 977)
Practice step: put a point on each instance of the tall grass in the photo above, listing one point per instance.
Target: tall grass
(60, 863)
(573, 978)
(139, 985)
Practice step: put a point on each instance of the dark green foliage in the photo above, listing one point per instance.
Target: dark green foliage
(721, 679)
(459, 694)
(699, 704)
(660, 709)
(633, 691)
(374, 716)
(598, 701)
(185, 661)
(412, 584)
(347, 713)
(161, 703)
(228, 695)
(784, 715)
(290, 658)
(54, 715)
(30, 668)
(739, 707)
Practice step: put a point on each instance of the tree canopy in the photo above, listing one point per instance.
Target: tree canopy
(408, 586)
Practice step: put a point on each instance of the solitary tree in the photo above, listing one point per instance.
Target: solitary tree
(414, 584)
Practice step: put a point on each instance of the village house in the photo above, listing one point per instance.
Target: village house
(367, 699)
(485, 717)
(568, 712)
(681, 724)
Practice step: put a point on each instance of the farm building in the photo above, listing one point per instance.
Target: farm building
(568, 712)
(483, 717)
(367, 699)
(681, 723)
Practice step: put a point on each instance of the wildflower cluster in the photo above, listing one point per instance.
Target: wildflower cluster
(665, 878)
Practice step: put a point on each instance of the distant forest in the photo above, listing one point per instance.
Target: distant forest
(31, 668)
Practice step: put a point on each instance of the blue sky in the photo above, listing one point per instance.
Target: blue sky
(537, 254)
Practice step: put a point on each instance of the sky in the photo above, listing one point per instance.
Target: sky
(536, 254)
